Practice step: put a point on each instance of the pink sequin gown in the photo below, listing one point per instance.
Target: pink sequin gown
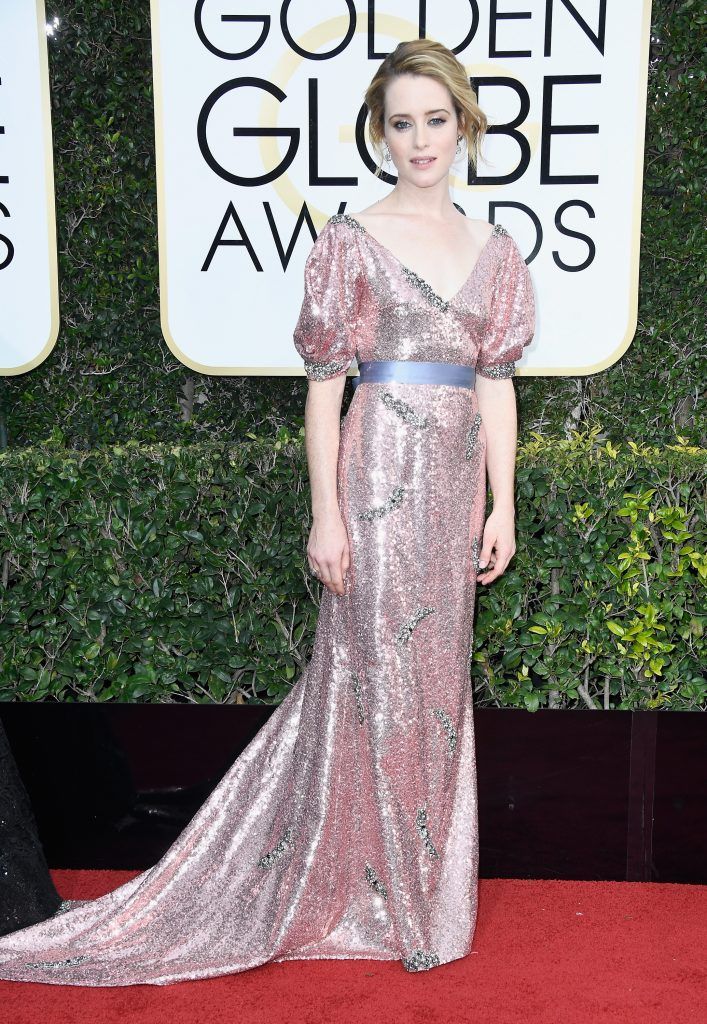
(348, 827)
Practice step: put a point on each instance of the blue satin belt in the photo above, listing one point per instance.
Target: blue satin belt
(410, 371)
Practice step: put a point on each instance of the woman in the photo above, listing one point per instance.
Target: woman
(27, 892)
(348, 827)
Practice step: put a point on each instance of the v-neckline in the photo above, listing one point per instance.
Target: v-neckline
(424, 285)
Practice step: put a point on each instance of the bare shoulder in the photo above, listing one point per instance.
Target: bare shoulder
(370, 213)
(479, 230)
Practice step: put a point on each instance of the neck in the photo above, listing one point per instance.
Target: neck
(433, 203)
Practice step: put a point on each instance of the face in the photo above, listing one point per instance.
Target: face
(420, 128)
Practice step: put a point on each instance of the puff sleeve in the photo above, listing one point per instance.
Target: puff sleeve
(325, 333)
(511, 323)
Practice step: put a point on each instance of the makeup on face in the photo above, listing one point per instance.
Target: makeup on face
(421, 128)
(401, 124)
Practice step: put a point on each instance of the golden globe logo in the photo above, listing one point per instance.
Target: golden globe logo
(266, 136)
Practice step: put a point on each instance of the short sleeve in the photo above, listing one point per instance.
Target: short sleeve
(325, 334)
(511, 323)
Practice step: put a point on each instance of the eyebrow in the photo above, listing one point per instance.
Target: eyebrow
(439, 110)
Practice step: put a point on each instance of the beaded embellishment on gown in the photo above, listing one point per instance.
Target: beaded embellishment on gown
(348, 827)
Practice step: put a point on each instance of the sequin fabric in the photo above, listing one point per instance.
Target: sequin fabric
(393, 501)
(402, 409)
(375, 882)
(360, 704)
(274, 855)
(448, 727)
(405, 632)
(420, 961)
(425, 832)
(318, 842)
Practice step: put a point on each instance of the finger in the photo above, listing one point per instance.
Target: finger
(490, 576)
(495, 570)
(486, 552)
(501, 556)
(337, 580)
(345, 578)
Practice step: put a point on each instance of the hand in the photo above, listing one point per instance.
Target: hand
(328, 551)
(499, 544)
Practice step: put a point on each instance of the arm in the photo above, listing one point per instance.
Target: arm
(511, 326)
(497, 406)
(328, 546)
(325, 337)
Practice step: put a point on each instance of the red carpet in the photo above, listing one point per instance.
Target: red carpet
(546, 952)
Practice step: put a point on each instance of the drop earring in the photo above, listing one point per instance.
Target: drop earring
(459, 139)
(386, 153)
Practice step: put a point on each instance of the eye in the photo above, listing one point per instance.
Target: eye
(439, 120)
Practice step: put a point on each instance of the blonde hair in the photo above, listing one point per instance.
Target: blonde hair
(426, 57)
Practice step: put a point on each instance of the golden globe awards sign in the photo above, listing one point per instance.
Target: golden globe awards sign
(29, 295)
(261, 135)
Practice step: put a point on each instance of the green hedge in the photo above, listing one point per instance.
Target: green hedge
(111, 377)
(173, 573)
